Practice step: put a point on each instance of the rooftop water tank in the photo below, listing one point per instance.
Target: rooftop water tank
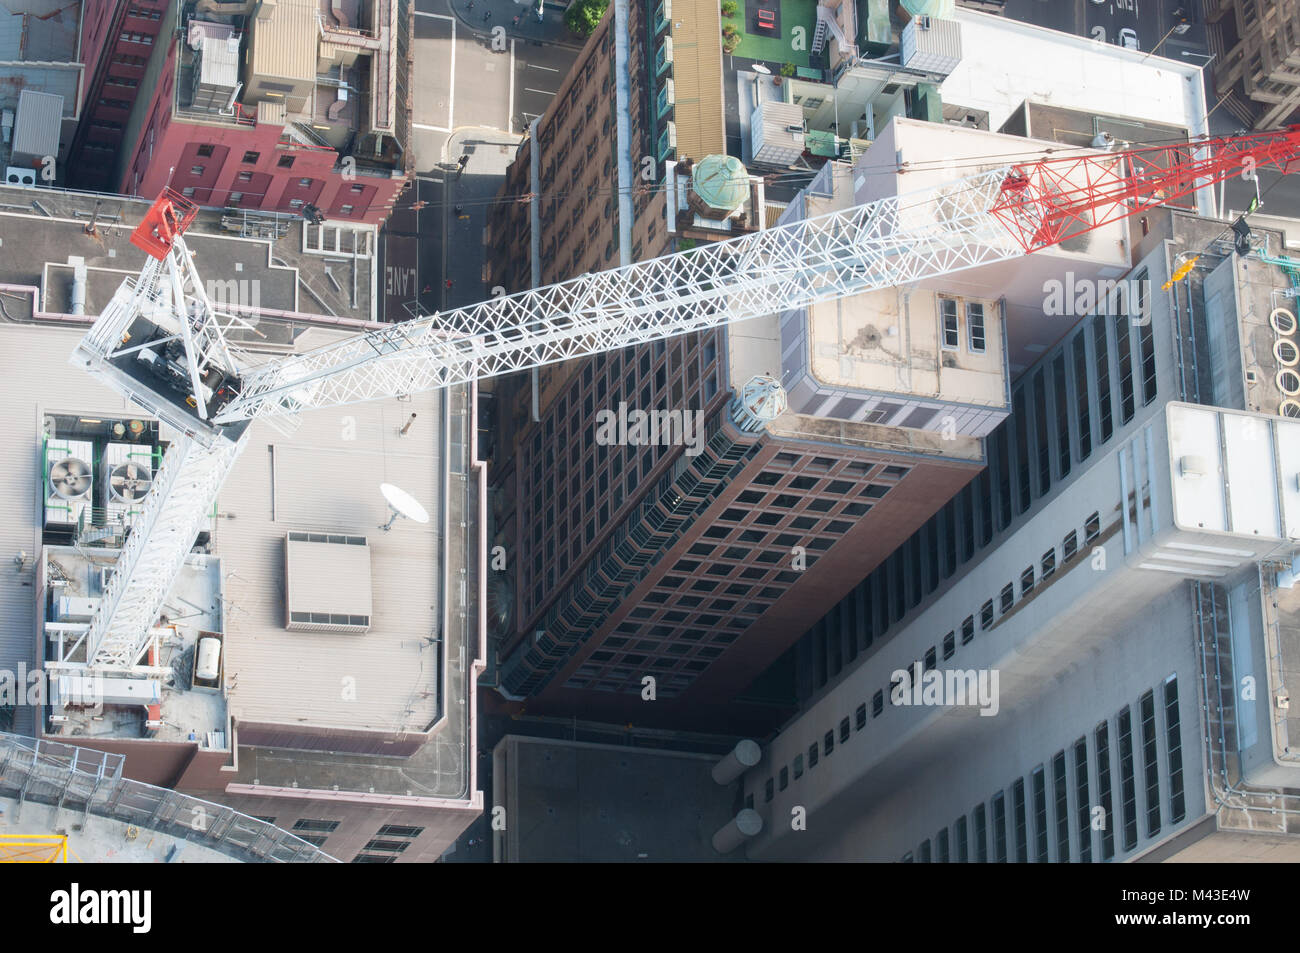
(208, 666)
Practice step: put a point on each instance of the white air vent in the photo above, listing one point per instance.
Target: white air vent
(1193, 467)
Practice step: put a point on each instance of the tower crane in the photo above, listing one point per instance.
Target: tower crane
(162, 344)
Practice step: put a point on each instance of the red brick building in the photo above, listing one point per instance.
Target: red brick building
(270, 106)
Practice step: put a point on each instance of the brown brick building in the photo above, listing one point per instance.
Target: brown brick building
(694, 568)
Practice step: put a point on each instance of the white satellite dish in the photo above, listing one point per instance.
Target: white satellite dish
(402, 504)
(760, 68)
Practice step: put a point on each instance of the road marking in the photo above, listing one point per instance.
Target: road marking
(544, 92)
(510, 116)
(549, 69)
(451, 99)
(427, 127)
(436, 16)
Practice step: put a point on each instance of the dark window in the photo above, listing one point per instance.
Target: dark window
(844, 729)
(1174, 743)
(1038, 782)
(980, 824)
(1092, 528)
(923, 852)
(398, 830)
(963, 844)
(1047, 566)
(1082, 406)
(1069, 545)
(941, 846)
(307, 824)
(784, 776)
(1062, 414)
(1150, 763)
(284, 162)
(1082, 808)
(1102, 358)
(975, 326)
(967, 629)
(828, 743)
(251, 157)
(1127, 778)
(813, 754)
(1007, 597)
(1146, 348)
(986, 615)
(1061, 812)
(769, 789)
(948, 312)
(1124, 350)
(1020, 821)
(1102, 738)
(860, 717)
(877, 704)
(949, 645)
(1027, 581)
(205, 150)
(999, 829)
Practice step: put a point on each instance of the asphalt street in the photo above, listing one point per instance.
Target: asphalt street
(483, 70)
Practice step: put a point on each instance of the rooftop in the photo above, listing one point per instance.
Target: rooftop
(311, 271)
(1005, 62)
(580, 802)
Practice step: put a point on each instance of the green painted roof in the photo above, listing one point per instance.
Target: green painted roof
(930, 8)
(721, 181)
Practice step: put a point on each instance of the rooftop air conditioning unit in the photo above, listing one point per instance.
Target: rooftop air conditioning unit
(18, 175)
(70, 479)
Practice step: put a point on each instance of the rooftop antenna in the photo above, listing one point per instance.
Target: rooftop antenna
(402, 504)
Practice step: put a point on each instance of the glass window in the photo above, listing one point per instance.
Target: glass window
(1101, 737)
(974, 326)
(1082, 806)
(948, 313)
(1174, 746)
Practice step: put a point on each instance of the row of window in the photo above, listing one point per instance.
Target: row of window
(975, 337)
(1061, 410)
(1046, 801)
(389, 841)
(930, 660)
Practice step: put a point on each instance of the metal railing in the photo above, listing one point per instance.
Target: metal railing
(66, 776)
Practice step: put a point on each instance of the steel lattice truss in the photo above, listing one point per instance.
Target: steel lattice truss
(161, 537)
(989, 217)
(1053, 200)
(887, 243)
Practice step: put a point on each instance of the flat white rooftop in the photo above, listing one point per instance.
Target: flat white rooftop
(1004, 62)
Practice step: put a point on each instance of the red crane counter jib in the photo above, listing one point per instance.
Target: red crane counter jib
(1052, 200)
(168, 217)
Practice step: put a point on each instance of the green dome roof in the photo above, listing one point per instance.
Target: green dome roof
(721, 182)
(930, 8)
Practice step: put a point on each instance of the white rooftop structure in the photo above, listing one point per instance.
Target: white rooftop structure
(1004, 62)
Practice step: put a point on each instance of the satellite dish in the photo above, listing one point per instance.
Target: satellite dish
(760, 68)
(402, 504)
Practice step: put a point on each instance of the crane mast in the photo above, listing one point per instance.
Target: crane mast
(161, 344)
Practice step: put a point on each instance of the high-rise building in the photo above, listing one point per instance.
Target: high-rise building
(1083, 658)
(1256, 69)
(633, 559)
(269, 107)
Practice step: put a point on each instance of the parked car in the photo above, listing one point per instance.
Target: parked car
(1128, 38)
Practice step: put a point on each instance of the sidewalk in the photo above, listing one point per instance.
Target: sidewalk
(480, 16)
